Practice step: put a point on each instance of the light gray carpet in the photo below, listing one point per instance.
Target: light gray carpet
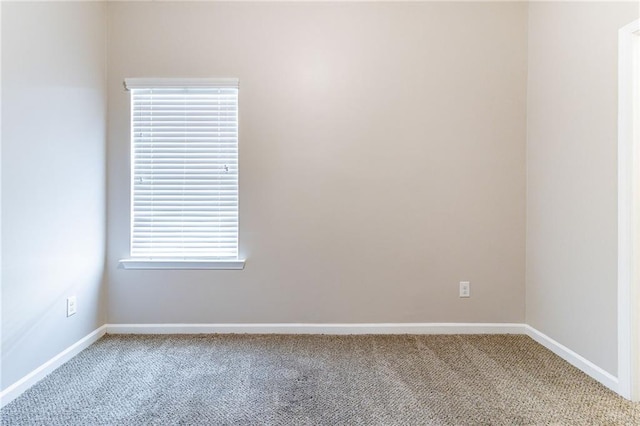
(318, 380)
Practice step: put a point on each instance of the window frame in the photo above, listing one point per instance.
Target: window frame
(168, 263)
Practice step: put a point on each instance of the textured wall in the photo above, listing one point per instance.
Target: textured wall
(382, 159)
(53, 178)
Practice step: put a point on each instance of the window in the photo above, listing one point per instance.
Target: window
(184, 173)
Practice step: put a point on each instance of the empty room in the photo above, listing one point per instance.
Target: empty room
(320, 212)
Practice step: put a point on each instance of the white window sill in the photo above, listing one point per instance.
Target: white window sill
(181, 264)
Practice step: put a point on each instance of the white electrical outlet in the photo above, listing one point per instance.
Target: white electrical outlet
(465, 289)
(72, 307)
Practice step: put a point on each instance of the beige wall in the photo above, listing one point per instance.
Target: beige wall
(53, 178)
(382, 159)
(572, 175)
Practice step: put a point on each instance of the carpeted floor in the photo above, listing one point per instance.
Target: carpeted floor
(318, 380)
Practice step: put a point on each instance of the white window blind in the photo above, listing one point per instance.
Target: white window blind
(184, 153)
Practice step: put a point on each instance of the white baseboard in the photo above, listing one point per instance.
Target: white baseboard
(574, 359)
(16, 389)
(608, 380)
(335, 329)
